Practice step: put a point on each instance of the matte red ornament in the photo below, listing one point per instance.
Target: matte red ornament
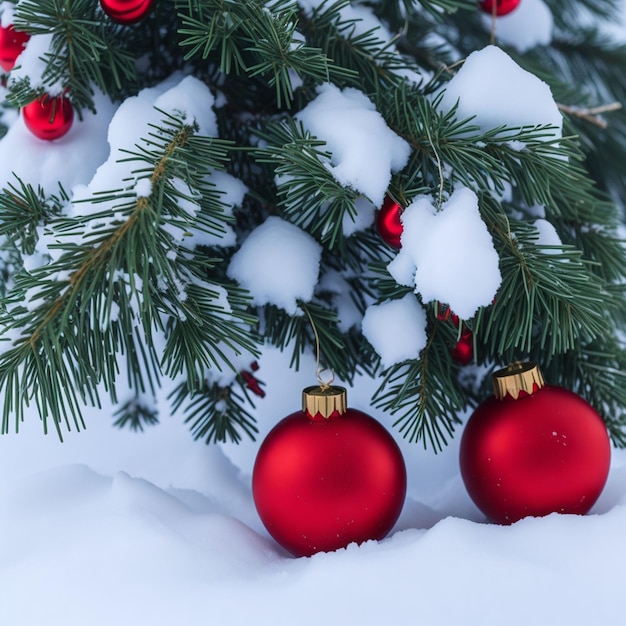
(328, 476)
(533, 449)
(49, 117)
(12, 42)
(126, 11)
(463, 351)
(503, 7)
(388, 222)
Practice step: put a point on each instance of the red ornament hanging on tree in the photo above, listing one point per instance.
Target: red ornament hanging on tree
(503, 7)
(251, 382)
(533, 449)
(12, 43)
(126, 11)
(463, 350)
(328, 476)
(49, 117)
(388, 222)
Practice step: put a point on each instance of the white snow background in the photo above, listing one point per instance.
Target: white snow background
(131, 529)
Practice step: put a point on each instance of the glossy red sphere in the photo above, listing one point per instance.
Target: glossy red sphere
(503, 7)
(463, 351)
(320, 485)
(388, 222)
(548, 452)
(49, 117)
(12, 42)
(126, 11)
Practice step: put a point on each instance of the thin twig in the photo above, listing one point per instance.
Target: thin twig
(590, 114)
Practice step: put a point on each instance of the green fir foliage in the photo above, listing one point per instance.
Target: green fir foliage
(119, 305)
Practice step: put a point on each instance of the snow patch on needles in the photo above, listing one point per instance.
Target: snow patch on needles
(396, 329)
(278, 264)
(192, 99)
(188, 99)
(364, 150)
(143, 188)
(448, 255)
(495, 91)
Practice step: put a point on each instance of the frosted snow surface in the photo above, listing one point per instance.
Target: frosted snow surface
(70, 160)
(547, 235)
(381, 327)
(447, 254)
(365, 151)
(114, 527)
(495, 91)
(528, 26)
(278, 264)
(185, 98)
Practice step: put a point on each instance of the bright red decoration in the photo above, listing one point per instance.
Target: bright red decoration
(126, 11)
(503, 7)
(12, 42)
(328, 476)
(49, 117)
(532, 450)
(252, 383)
(463, 351)
(388, 222)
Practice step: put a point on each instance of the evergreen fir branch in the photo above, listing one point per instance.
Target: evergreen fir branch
(204, 335)
(255, 38)
(368, 62)
(23, 210)
(215, 413)
(85, 51)
(548, 299)
(439, 8)
(112, 285)
(136, 415)
(282, 330)
(425, 394)
(310, 195)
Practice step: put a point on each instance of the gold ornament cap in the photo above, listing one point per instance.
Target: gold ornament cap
(515, 378)
(324, 401)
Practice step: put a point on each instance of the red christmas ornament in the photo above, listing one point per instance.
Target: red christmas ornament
(252, 383)
(503, 7)
(12, 42)
(463, 351)
(388, 222)
(49, 117)
(126, 11)
(532, 450)
(328, 476)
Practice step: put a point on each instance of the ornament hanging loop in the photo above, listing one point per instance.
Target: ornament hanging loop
(324, 385)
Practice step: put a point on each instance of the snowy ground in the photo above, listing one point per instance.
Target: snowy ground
(112, 527)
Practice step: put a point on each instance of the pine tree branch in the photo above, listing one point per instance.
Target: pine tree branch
(109, 292)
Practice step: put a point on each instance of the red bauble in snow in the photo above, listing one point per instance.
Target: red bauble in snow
(49, 117)
(388, 222)
(126, 11)
(463, 351)
(503, 7)
(328, 476)
(533, 449)
(12, 42)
